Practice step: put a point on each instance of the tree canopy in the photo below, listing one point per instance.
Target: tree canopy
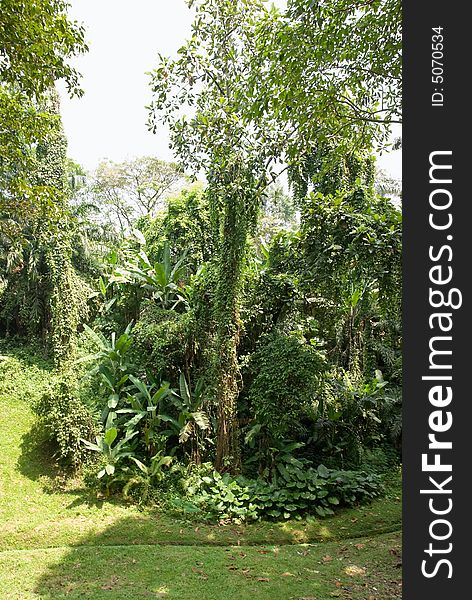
(254, 89)
(134, 188)
(37, 40)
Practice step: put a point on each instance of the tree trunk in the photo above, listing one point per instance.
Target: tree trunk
(232, 249)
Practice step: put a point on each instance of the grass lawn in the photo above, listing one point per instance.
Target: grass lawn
(59, 541)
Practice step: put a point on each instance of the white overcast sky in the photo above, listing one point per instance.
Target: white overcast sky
(124, 38)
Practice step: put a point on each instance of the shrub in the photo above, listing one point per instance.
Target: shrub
(66, 419)
(163, 340)
(355, 419)
(288, 379)
(184, 224)
(296, 491)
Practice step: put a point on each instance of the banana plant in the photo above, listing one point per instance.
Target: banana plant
(155, 468)
(192, 421)
(163, 279)
(113, 455)
(145, 409)
(112, 366)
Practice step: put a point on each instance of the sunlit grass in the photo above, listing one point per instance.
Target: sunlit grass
(57, 540)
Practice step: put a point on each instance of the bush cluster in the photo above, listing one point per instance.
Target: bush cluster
(295, 492)
(288, 379)
(66, 419)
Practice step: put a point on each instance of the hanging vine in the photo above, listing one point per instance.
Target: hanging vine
(43, 294)
(63, 301)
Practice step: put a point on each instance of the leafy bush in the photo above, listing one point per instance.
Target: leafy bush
(66, 419)
(288, 379)
(163, 340)
(185, 225)
(354, 419)
(296, 491)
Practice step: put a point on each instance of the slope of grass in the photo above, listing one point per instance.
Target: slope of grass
(58, 540)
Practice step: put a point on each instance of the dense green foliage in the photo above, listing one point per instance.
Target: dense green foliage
(43, 295)
(297, 489)
(281, 397)
(37, 39)
(241, 340)
(65, 420)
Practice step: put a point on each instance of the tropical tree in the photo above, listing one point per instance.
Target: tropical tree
(37, 39)
(251, 108)
(211, 77)
(42, 292)
(134, 188)
(332, 70)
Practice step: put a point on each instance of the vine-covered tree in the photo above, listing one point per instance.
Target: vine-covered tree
(37, 39)
(211, 76)
(259, 94)
(42, 296)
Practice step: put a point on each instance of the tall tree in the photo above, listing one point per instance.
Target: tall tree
(134, 188)
(42, 292)
(63, 301)
(251, 107)
(210, 76)
(37, 39)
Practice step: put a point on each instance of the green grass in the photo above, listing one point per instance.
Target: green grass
(57, 540)
(349, 570)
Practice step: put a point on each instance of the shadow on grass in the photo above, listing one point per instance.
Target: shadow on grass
(120, 562)
(36, 460)
(37, 463)
(103, 567)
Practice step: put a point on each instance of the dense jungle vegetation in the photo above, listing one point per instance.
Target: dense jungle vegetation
(224, 332)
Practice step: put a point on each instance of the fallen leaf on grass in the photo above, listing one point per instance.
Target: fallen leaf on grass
(360, 546)
(327, 558)
(110, 584)
(262, 579)
(354, 571)
(287, 574)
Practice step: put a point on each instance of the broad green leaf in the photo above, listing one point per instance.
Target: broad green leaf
(110, 435)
